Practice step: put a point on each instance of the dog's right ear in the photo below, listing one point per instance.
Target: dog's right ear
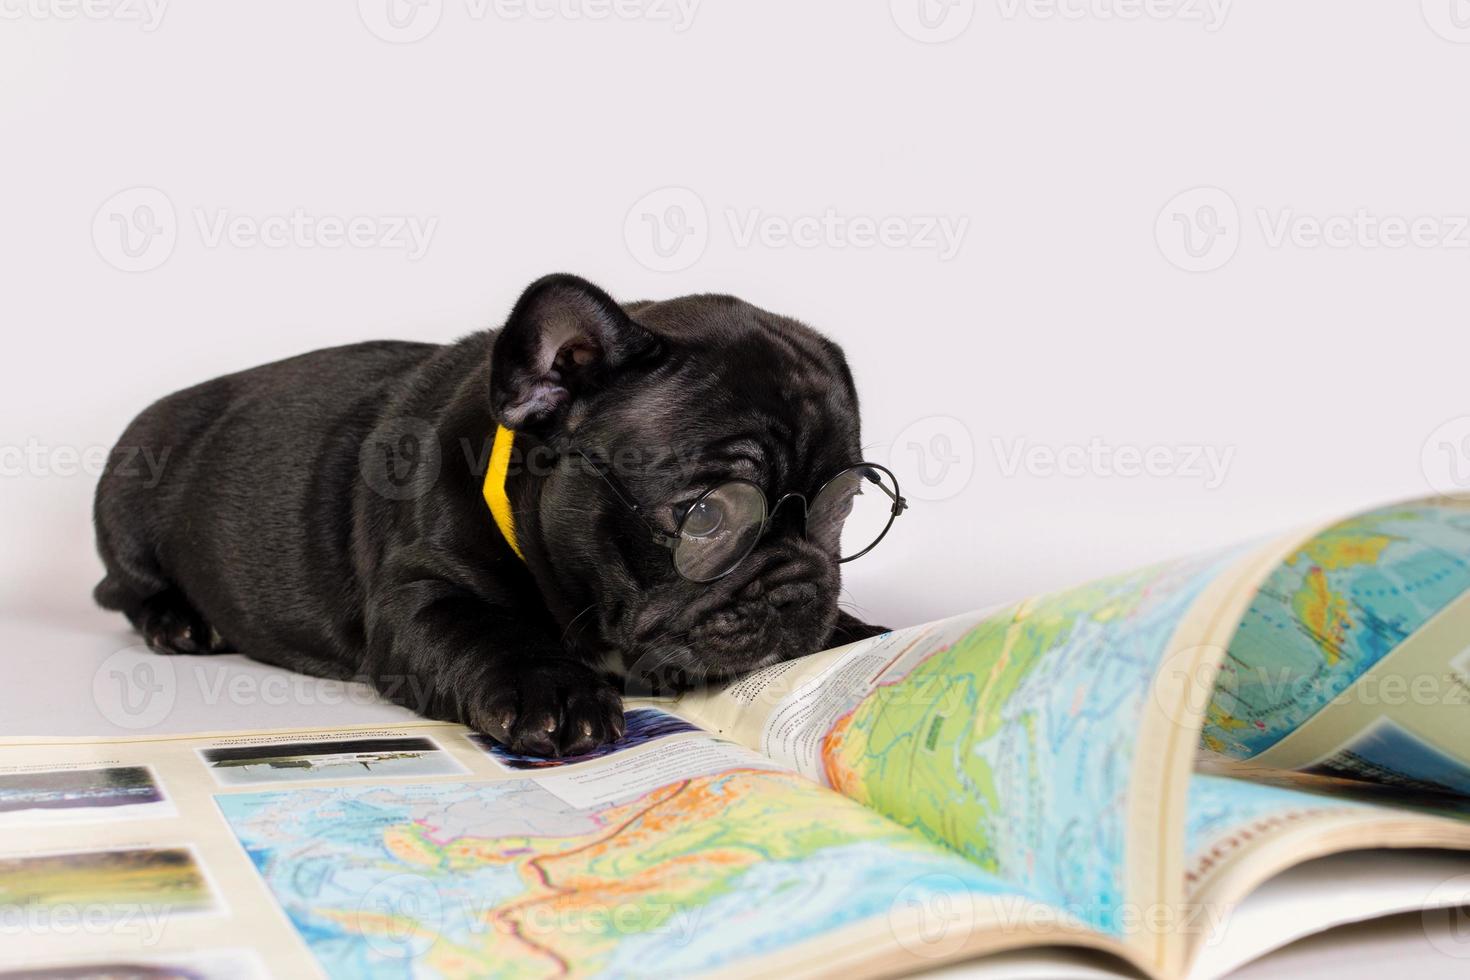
(564, 340)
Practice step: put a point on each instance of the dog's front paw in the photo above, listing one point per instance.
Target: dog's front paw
(550, 708)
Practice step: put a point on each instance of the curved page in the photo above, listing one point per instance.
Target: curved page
(1353, 660)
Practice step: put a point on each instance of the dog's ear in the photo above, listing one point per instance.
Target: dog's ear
(564, 340)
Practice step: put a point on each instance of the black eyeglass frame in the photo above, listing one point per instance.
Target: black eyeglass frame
(671, 541)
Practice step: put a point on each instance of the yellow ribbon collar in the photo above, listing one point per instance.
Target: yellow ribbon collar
(495, 497)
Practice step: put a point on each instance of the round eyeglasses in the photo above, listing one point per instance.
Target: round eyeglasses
(848, 517)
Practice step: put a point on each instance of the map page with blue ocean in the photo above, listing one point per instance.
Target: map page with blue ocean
(1117, 766)
(1041, 741)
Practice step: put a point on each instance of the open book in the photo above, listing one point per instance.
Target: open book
(1118, 767)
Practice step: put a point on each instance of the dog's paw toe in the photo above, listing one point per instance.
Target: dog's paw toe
(553, 709)
(170, 626)
(591, 718)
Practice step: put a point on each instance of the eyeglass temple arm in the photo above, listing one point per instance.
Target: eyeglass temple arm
(608, 477)
(900, 504)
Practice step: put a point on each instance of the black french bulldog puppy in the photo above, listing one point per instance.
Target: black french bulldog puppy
(327, 513)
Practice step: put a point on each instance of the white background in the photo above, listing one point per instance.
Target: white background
(1058, 137)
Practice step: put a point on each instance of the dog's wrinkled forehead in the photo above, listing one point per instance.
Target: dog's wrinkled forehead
(745, 385)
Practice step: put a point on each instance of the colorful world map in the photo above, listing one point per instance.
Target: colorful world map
(1014, 744)
(1329, 612)
(1008, 741)
(450, 879)
(1224, 814)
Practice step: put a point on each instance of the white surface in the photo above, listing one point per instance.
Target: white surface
(101, 682)
(1328, 376)
(1430, 940)
(1409, 945)
(1344, 889)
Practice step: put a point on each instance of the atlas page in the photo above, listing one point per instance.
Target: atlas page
(1014, 778)
(1053, 742)
(426, 848)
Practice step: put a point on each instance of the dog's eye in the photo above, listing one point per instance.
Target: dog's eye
(702, 519)
(844, 505)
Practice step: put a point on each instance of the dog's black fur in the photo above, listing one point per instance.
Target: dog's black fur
(324, 513)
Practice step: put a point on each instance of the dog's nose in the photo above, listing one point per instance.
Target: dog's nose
(792, 594)
(753, 590)
(786, 585)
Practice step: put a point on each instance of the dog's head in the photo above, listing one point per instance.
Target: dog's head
(624, 417)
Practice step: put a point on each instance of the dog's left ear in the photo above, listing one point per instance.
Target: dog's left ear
(564, 340)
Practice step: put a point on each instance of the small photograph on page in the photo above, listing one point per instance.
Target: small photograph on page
(644, 725)
(125, 887)
(353, 758)
(233, 964)
(81, 795)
